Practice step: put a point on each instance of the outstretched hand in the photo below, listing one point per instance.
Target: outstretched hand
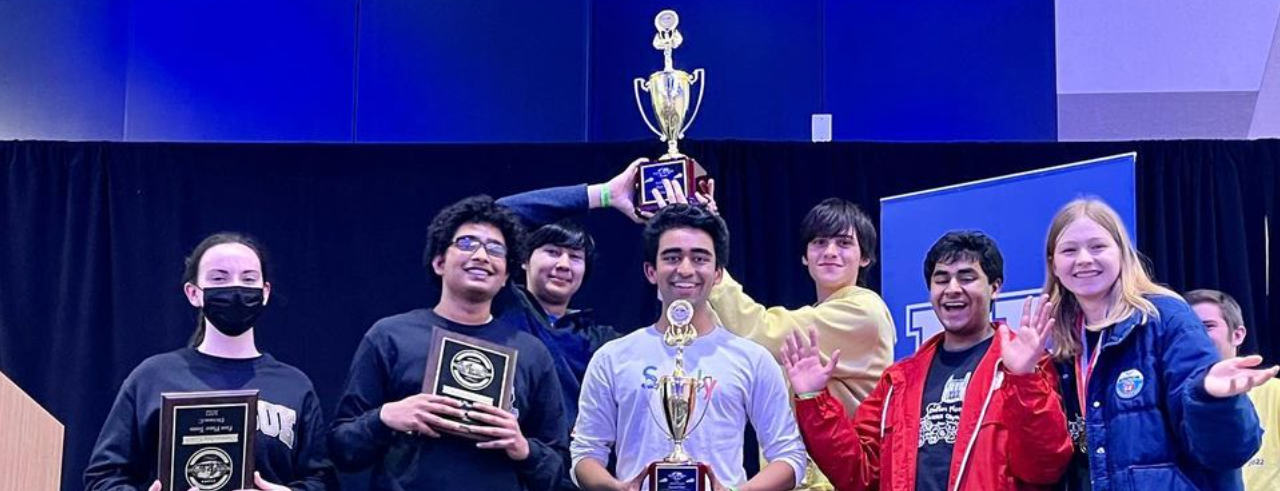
(803, 362)
(1235, 376)
(1021, 349)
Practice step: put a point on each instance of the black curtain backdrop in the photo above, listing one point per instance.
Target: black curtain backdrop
(92, 236)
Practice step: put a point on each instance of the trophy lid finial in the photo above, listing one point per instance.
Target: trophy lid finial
(680, 332)
(680, 313)
(666, 20)
(667, 38)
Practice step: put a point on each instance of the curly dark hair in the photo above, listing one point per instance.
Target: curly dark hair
(686, 216)
(474, 209)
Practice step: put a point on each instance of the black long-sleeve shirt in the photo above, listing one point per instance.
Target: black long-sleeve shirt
(390, 365)
(289, 447)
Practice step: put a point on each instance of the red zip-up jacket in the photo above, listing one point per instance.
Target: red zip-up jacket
(1020, 442)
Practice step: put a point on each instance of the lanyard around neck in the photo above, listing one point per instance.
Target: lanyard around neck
(1085, 370)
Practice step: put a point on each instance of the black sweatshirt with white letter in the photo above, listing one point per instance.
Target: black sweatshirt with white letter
(289, 447)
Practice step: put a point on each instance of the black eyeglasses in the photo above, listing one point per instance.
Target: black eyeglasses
(471, 243)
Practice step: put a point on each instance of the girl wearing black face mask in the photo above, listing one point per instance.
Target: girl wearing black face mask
(226, 281)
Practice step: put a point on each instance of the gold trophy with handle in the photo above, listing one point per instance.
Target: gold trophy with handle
(678, 393)
(670, 91)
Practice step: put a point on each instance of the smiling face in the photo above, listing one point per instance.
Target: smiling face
(961, 294)
(1086, 260)
(555, 272)
(686, 266)
(476, 275)
(834, 261)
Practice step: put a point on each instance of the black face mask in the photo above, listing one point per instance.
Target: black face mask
(233, 309)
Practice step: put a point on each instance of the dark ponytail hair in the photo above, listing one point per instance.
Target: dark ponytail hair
(191, 267)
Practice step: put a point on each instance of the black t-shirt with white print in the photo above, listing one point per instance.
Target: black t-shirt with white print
(944, 389)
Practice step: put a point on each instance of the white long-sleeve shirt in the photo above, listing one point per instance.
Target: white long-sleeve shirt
(743, 383)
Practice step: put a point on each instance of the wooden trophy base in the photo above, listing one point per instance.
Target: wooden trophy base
(684, 172)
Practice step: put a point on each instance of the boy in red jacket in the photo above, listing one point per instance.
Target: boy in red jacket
(969, 411)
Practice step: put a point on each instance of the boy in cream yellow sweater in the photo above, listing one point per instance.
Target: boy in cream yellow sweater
(839, 245)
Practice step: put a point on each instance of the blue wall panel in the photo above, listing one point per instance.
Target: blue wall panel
(472, 71)
(62, 71)
(763, 62)
(240, 70)
(941, 70)
(502, 71)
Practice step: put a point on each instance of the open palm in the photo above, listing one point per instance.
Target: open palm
(1022, 349)
(1235, 376)
(804, 363)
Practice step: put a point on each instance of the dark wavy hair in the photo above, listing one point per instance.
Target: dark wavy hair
(479, 209)
(966, 245)
(686, 216)
(832, 217)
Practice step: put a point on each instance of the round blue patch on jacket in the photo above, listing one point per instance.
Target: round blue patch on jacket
(1129, 384)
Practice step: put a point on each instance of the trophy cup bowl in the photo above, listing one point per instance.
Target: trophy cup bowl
(678, 471)
(679, 396)
(669, 95)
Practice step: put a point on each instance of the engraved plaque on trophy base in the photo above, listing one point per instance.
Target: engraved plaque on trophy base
(683, 172)
(668, 476)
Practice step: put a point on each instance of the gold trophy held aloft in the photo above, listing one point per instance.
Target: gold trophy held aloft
(669, 93)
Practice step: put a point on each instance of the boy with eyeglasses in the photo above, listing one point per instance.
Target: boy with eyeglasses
(384, 421)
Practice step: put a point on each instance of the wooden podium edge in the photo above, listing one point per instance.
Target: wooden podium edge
(31, 442)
